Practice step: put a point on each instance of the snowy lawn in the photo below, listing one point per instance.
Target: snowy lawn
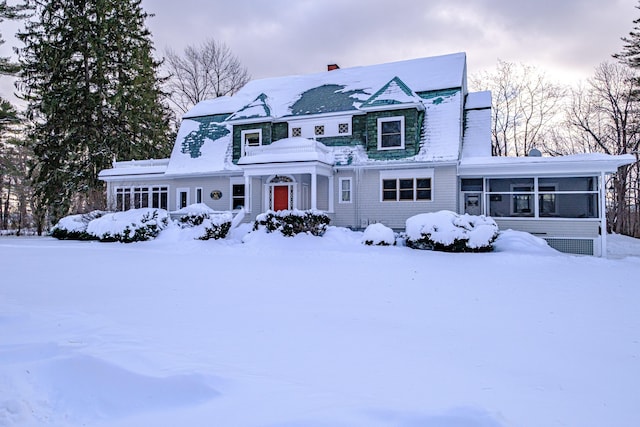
(316, 331)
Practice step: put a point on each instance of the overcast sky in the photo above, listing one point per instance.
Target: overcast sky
(564, 38)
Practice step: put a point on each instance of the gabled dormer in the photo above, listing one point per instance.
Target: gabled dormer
(394, 121)
(251, 126)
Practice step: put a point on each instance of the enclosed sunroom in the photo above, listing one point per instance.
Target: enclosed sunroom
(562, 200)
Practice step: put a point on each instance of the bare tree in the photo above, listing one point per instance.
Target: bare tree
(206, 71)
(605, 115)
(525, 105)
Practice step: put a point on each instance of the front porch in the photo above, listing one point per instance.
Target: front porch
(289, 174)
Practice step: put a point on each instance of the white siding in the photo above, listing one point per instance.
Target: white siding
(368, 208)
(552, 227)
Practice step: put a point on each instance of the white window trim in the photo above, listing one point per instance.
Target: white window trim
(244, 143)
(178, 191)
(407, 174)
(201, 195)
(402, 132)
(239, 181)
(340, 181)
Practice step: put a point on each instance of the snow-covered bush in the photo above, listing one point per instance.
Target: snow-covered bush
(379, 235)
(134, 225)
(292, 222)
(74, 227)
(451, 232)
(208, 223)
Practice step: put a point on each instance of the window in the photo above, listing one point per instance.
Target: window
(319, 130)
(296, 132)
(547, 200)
(522, 202)
(406, 189)
(574, 197)
(345, 190)
(343, 128)
(237, 198)
(423, 189)
(390, 133)
(123, 199)
(199, 195)
(182, 198)
(471, 184)
(159, 197)
(141, 197)
(251, 138)
(561, 197)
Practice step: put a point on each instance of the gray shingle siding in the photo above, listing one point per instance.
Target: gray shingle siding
(367, 204)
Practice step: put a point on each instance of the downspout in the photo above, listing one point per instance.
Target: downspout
(357, 220)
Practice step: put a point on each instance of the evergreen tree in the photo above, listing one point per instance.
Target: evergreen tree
(630, 54)
(93, 95)
(9, 12)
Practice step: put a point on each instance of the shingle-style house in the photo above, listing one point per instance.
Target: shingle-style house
(368, 144)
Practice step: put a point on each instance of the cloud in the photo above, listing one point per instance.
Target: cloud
(279, 37)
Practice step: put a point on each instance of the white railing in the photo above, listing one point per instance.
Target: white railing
(308, 146)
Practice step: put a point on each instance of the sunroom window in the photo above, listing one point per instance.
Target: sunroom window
(559, 197)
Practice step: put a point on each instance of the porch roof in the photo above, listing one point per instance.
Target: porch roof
(561, 165)
(288, 150)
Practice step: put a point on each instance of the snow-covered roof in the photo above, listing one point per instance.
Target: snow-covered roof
(478, 100)
(477, 133)
(572, 164)
(435, 84)
(395, 93)
(203, 146)
(136, 167)
(358, 83)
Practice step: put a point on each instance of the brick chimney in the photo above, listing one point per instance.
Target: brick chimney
(332, 67)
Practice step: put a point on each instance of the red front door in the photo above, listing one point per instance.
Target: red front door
(280, 197)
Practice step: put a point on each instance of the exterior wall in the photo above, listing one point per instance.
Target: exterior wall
(111, 189)
(267, 136)
(542, 227)
(279, 131)
(322, 199)
(412, 131)
(345, 213)
(208, 184)
(367, 206)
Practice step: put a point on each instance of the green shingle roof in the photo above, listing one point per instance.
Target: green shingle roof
(258, 108)
(210, 128)
(327, 98)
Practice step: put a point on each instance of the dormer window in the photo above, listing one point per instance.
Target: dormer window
(251, 138)
(391, 133)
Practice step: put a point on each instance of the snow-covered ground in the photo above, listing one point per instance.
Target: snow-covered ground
(316, 331)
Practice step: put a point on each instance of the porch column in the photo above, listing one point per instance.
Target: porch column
(330, 193)
(314, 190)
(603, 215)
(247, 191)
